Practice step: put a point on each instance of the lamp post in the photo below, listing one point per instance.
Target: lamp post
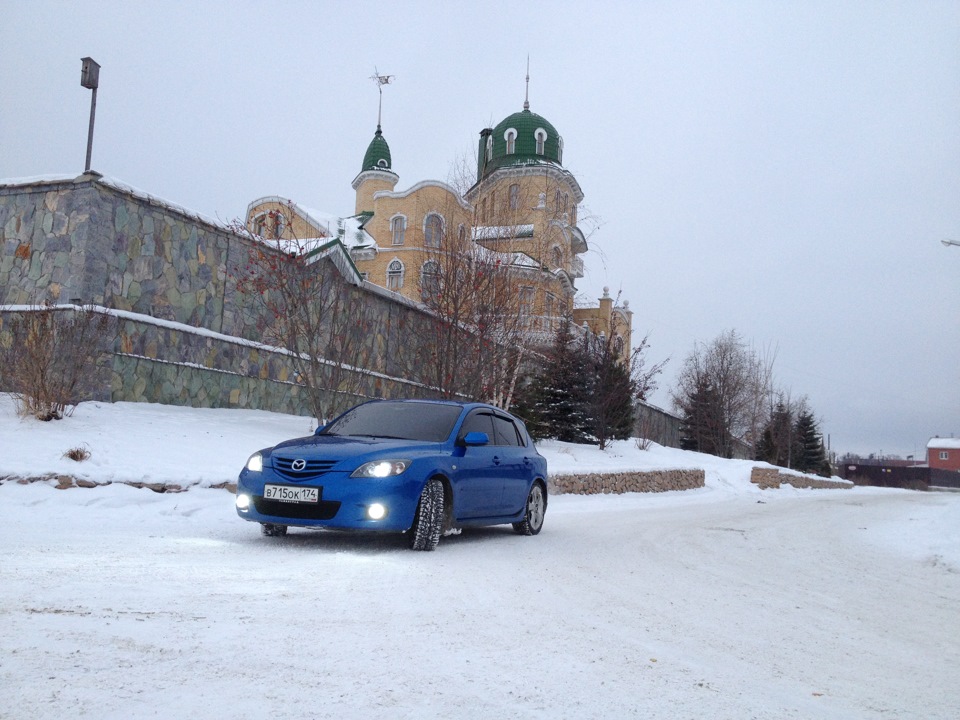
(948, 243)
(90, 78)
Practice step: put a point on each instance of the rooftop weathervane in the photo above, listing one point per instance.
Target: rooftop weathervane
(380, 80)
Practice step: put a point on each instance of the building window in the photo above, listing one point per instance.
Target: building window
(566, 198)
(432, 230)
(395, 275)
(382, 163)
(364, 276)
(258, 224)
(511, 137)
(278, 225)
(556, 202)
(560, 149)
(514, 197)
(541, 136)
(461, 234)
(429, 280)
(398, 226)
(557, 257)
(489, 148)
(526, 300)
(550, 305)
(944, 455)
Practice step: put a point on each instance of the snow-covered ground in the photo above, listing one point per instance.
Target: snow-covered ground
(724, 602)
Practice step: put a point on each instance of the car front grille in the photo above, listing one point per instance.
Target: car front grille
(323, 510)
(312, 469)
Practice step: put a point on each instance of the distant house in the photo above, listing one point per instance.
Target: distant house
(944, 453)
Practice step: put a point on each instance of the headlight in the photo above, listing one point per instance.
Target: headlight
(380, 468)
(255, 463)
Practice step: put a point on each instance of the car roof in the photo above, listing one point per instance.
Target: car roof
(458, 403)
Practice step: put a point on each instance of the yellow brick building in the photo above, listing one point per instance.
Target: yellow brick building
(521, 206)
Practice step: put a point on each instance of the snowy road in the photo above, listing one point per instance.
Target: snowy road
(119, 603)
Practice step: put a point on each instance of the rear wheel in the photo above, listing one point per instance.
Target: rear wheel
(271, 530)
(428, 520)
(536, 509)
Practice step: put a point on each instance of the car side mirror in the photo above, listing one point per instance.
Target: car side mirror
(319, 430)
(476, 438)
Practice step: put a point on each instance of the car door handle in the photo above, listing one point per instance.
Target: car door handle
(496, 459)
(527, 461)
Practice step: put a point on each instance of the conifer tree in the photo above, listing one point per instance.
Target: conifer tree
(552, 402)
(811, 456)
(703, 428)
(611, 392)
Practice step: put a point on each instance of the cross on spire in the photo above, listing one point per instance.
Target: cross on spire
(526, 97)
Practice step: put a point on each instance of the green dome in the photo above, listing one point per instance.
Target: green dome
(536, 140)
(377, 156)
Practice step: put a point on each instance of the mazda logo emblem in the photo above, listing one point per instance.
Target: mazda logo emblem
(298, 465)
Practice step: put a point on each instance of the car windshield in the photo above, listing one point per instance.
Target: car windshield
(427, 422)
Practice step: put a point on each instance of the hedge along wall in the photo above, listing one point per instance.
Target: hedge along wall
(187, 335)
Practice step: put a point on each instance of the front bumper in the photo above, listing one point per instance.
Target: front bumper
(343, 503)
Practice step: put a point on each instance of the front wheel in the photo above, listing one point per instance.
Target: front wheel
(428, 520)
(536, 509)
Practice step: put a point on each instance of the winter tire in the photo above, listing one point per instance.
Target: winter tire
(536, 509)
(428, 520)
(271, 530)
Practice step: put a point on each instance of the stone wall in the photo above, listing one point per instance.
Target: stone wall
(769, 478)
(602, 483)
(187, 334)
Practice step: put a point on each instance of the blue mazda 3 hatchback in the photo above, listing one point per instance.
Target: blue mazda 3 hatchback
(416, 466)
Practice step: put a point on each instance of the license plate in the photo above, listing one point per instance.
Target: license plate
(288, 493)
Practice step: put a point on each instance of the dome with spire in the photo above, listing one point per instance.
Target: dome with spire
(377, 156)
(523, 138)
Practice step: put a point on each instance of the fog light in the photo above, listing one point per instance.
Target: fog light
(243, 502)
(376, 511)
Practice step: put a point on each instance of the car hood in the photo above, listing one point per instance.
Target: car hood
(339, 447)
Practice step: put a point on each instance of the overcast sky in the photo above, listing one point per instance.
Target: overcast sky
(784, 169)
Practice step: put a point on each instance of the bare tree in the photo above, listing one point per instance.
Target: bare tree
(299, 301)
(53, 358)
(718, 385)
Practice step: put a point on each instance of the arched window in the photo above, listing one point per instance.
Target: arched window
(430, 281)
(382, 162)
(618, 345)
(395, 275)
(557, 257)
(398, 226)
(541, 136)
(461, 234)
(560, 149)
(557, 197)
(489, 147)
(432, 230)
(511, 137)
(514, 197)
(279, 223)
(258, 224)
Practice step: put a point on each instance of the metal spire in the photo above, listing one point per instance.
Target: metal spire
(526, 97)
(380, 80)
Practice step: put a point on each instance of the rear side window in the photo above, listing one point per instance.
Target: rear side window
(506, 431)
